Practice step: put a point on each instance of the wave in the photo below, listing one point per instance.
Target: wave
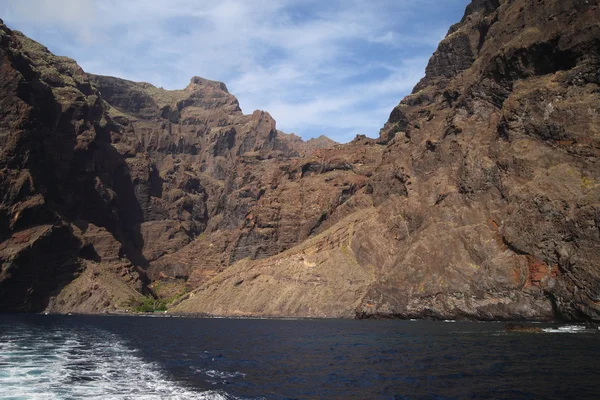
(221, 374)
(567, 329)
(83, 364)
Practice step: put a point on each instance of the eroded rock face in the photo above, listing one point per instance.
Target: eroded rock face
(478, 199)
(56, 167)
(204, 172)
(117, 177)
(485, 202)
(504, 154)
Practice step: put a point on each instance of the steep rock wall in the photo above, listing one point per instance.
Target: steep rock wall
(485, 203)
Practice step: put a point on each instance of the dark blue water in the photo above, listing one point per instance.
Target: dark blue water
(60, 357)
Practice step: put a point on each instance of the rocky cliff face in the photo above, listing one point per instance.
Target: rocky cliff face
(173, 186)
(478, 200)
(485, 202)
(58, 214)
(212, 186)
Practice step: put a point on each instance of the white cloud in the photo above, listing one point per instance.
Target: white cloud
(75, 16)
(317, 67)
(361, 108)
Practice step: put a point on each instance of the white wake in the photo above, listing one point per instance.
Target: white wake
(88, 365)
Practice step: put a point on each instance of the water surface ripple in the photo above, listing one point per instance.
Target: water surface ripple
(74, 357)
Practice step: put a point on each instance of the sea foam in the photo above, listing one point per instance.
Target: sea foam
(87, 364)
(566, 329)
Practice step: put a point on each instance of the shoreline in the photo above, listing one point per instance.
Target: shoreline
(292, 318)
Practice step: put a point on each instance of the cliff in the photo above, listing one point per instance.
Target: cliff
(59, 179)
(160, 188)
(478, 200)
(485, 202)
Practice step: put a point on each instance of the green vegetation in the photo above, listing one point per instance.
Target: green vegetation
(148, 304)
(171, 300)
(167, 293)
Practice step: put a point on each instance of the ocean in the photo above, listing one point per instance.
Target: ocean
(122, 357)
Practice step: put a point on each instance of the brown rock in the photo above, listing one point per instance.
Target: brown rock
(127, 172)
(478, 199)
(503, 128)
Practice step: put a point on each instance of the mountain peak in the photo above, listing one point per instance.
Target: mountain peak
(199, 83)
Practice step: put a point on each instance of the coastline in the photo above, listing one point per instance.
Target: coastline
(375, 317)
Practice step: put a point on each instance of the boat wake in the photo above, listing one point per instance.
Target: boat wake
(567, 329)
(91, 364)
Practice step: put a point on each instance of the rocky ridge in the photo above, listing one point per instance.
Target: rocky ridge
(485, 202)
(146, 178)
(478, 200)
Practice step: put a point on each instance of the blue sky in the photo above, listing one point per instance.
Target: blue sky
(335, 68)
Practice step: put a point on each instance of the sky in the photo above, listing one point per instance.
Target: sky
(334, 68)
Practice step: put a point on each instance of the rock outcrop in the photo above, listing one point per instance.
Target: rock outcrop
(58, 209)
(485, 203)
(215, 186)
(479, 198)
(113, 175)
